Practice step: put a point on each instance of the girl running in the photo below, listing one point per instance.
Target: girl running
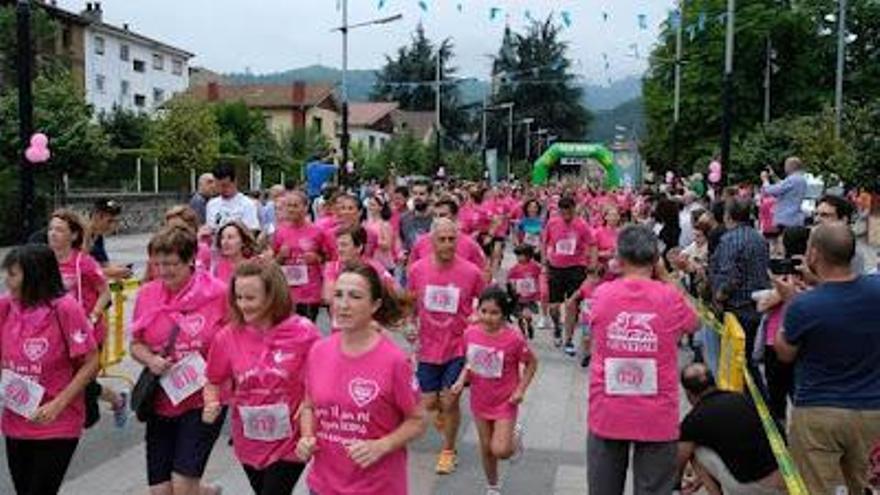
(262, 354)
(495, 352)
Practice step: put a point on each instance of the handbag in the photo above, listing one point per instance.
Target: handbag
(144, 390)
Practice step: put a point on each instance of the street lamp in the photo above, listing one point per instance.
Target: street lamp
(344, 29)
(25, 115)
(502, 106)
(727, 97)
(528, 121)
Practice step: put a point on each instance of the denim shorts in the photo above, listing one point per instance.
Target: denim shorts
(437, 377)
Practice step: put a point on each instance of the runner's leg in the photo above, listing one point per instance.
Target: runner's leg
(490, 462)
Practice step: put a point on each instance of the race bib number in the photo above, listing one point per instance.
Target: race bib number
(296, 275)
(185, 378)
(485, 361)
(566, 247)
(21, 395)
(631, 376)
(533, 240)
(525, 286)
(442, 299)
(267, 423)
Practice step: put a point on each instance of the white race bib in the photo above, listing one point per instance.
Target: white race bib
(296, 275)
(267, 423)
(485, 361)
(20, 394)
(185, 378)
(442, 299)
(566, 247)
(532, 240)
(631, 376)
(525, 286)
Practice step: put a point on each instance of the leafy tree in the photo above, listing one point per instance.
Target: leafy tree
(44, 31)
(185, 136)
(126, 129)
(533, 71)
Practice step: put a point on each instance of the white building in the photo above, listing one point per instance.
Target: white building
(129, 70)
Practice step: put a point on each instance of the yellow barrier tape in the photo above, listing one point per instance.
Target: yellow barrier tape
(790, 474)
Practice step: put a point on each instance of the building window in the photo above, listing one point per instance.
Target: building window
(372, 145)
(123, 53)
(124, 87)
(177, 67)
(140, 101)
(158, 61)
(66, 38)
(158, 96)
(317, 124)
(99, 83)
(99, 45)
(139, 65)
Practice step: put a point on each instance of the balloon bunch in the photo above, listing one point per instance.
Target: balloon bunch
(38, 151)
(715, 172)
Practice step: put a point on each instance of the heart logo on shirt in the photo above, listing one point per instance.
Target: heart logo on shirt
(193, 324)
(36, 348)
(363, 391)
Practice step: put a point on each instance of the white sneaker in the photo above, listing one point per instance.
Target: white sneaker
(493, 490)
(518, 447)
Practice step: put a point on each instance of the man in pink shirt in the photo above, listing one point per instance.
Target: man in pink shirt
(637, 321)
(569, 248)
(444, 287)
(465, 247)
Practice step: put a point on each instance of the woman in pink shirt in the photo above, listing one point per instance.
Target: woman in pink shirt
(378, 220)
(500, 367)
(362, 404)
(350, 251)
(262, 355)
(48, 355)
(173, 326)
(234, 244)
(301, 248)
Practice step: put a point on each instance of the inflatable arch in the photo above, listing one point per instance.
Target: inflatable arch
(558, 151)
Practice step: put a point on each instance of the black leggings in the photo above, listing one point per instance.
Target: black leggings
(38, 466)
(275, 479)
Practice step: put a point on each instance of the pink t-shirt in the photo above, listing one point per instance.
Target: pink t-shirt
(358, 398)
(494, 370)
(334, 268)
(305, 280)
(774, 323)
(44, 344)
(525, 278)
(475, 218)
(445, 299)
(203, 256)
(465, 247)
(199, 308)
(606, 242)
(499, 211)
(267, 369)
(765, 213)
(636, 326)
(567, 243)
(223, 269)
(84, 280)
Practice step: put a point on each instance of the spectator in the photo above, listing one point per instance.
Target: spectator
(267, 213)
(832, 334)
(738, 267)
(832, 209)
(230, 204)
(417, 221)
(104, 220)
(318, 173)
(637, 322)
(207, 190)
(685, 218)
(790, 194)
(712, 439)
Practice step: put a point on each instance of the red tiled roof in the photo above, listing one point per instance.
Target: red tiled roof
(265, 95)
(367, 114)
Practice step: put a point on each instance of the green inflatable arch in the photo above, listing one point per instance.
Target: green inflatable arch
(558, 151)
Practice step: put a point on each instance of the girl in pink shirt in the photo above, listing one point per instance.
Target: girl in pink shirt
(181, 311)
(234, 244)
(262, 354)
(362, 404)
(48, 355)
(500, 367)
(524, 280)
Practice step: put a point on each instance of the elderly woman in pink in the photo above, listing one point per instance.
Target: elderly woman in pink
(175, 320)
(48, 355)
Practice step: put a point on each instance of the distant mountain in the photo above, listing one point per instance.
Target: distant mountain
(629, 115)
(360, 83)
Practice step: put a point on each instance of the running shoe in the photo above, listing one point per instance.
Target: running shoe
(585, 361)
(569, 349)
(518, 446)
(493, 490)
(120, 410)
(446, 462)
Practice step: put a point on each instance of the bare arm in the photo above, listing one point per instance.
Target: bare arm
(786, 352)
(142, 354)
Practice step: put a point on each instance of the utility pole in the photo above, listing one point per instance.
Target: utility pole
(509, 140)
(344, 139)
(25, 116)
(437, 100)
(483, 131)
(727, 101)
(841, 58)
(676, 111)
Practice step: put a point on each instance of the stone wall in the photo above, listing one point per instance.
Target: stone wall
(141, 212)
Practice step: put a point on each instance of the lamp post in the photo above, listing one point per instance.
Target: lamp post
(528, 121)
(24, 67)
(727, 97)
(841, 58)
(344, 29)
(503, 106)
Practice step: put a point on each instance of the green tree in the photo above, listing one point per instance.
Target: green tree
(44, 31)
(185, 136)
(533, 71)
(126, 129)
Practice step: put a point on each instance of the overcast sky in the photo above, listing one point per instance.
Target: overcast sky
(275, 35)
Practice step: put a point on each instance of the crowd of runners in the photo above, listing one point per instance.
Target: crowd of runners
(423, 307)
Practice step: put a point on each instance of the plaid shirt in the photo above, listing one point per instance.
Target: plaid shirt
(739, 267)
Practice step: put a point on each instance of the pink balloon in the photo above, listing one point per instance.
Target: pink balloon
(715, 177)
(37, 155)
(39, 140)
(715, 166)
